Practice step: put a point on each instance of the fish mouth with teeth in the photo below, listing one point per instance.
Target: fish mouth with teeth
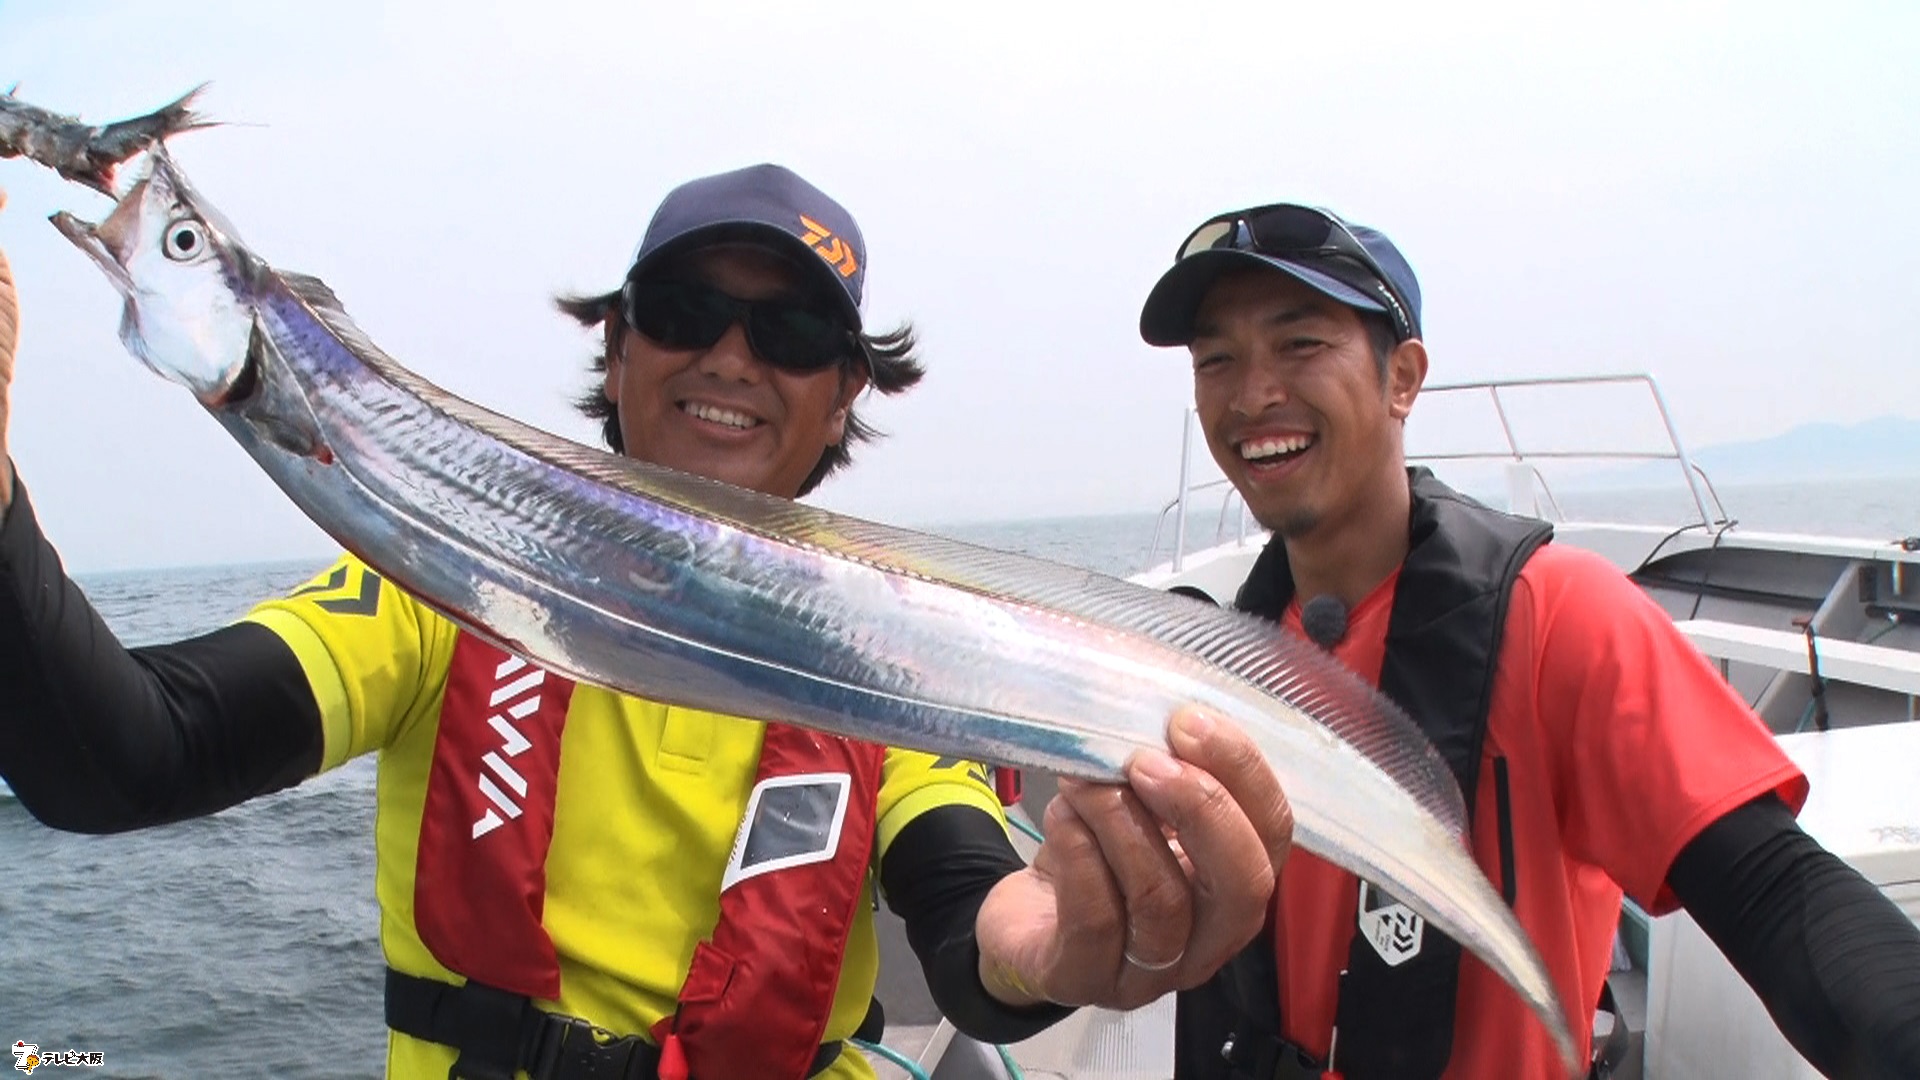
(1275, 449)
(715, 414)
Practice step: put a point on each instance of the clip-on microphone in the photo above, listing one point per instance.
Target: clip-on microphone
(1324, 618)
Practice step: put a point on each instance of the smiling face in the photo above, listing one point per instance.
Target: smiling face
(1293, 403)
(721, 411)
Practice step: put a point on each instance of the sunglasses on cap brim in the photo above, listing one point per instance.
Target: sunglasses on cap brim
(679, 314)
(1288, 231)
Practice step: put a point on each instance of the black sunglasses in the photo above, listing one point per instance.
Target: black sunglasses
(680, 314)
(1289, 231)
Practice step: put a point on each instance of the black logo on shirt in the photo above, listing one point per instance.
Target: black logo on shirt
(973, 768)
(363, 601)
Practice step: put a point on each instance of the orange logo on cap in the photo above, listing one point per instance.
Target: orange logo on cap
(829, 247)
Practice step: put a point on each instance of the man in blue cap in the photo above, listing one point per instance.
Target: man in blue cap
(1598, 751)
(560, 867)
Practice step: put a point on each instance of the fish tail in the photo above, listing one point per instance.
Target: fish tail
(122, 139)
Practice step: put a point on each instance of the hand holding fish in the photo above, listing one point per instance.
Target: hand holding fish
(9, 339)
(1111, 913)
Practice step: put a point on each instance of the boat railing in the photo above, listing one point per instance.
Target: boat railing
(1522, 458)
(1178, 508)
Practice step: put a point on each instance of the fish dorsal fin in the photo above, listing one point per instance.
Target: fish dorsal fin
(1244, 646)
(313, 291)
(320, 298)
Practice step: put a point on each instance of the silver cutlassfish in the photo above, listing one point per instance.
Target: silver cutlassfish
(677, 588)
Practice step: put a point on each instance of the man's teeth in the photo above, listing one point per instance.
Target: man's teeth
(1260, 449)
(717, 415)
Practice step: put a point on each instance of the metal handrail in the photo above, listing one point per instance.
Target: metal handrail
(1706, 500)
(1179, 504)
(1698, 486)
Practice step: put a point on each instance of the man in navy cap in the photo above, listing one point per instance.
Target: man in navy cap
(563, 871)
(762, 254)
(1598, 751)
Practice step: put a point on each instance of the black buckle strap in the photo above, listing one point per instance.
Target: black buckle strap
(499, 1034)
(1269, 1057)
(1252, 1054)
(576, 1050)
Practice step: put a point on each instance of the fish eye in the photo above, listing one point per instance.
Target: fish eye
(185, 240)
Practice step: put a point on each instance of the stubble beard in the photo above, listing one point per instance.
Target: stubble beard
(1293, 523)
(1290, 521)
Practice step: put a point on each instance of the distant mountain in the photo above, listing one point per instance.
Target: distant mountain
(1884, 446)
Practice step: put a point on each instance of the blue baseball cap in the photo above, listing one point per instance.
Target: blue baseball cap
(1352, 264)
(768, 205)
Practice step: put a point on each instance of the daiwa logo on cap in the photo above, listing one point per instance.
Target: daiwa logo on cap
(838, 254)
(766, 198)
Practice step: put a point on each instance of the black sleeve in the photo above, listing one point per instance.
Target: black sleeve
(1835, 962)
(97, 738)
(936, 874)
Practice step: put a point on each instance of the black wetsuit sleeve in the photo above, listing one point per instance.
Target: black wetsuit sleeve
(95, 737)
(1835, 962)
(936, 874)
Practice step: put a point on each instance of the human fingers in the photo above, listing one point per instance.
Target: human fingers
(1152, 883)
(1229, 755)
(1090, 911)
(1232, 867)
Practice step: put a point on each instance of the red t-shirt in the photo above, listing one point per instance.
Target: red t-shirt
(1622, 742)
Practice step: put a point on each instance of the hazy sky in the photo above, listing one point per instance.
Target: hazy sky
(1721, 194)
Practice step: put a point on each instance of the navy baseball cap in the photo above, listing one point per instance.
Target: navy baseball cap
(762, 204)
(1355, 265)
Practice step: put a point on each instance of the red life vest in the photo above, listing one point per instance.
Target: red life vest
(761, 988)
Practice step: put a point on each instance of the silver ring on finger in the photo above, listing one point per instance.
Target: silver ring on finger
(1162, 966)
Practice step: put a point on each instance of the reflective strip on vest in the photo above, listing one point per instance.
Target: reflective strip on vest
(480, 883)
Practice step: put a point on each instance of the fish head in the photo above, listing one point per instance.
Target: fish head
(186, 278)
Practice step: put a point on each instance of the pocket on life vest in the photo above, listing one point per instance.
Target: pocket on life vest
(709, 974)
